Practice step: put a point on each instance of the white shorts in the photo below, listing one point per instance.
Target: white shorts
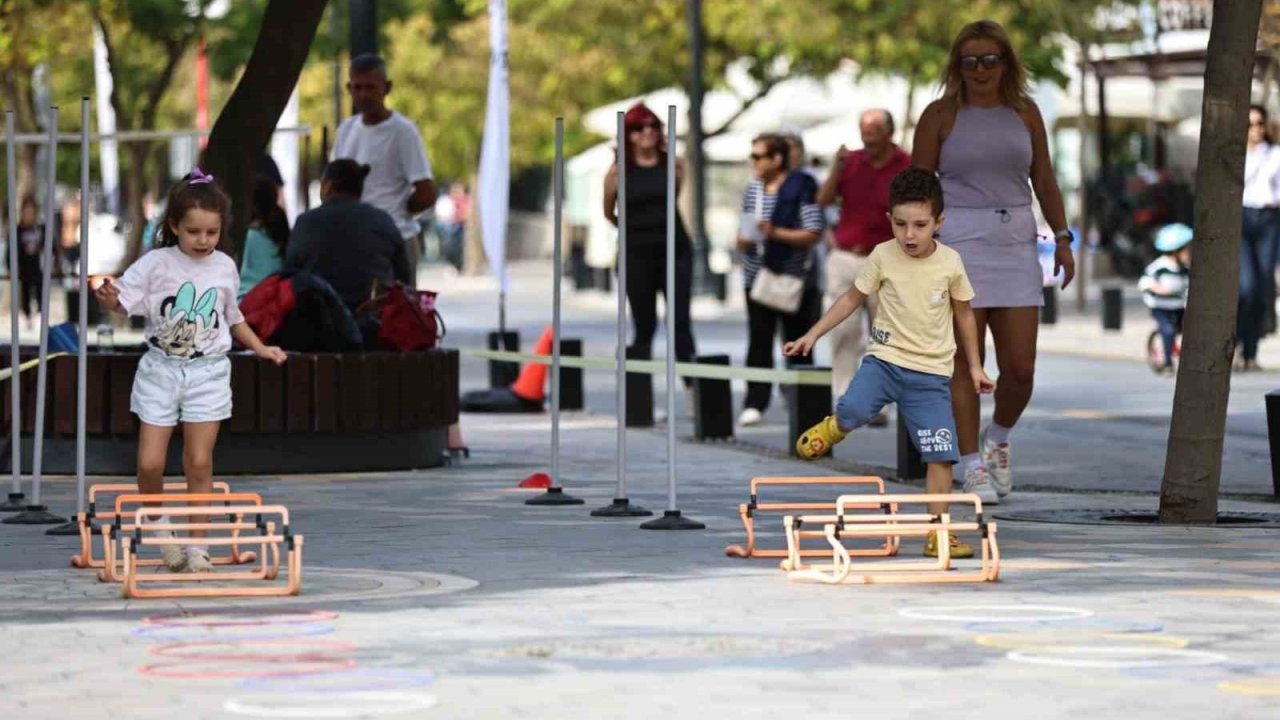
(167, 391)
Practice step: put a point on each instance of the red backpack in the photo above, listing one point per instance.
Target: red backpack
(408, 319)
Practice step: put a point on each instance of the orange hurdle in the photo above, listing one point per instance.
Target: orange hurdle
(111, 568)
(836, 528)
(747, 511)
(85, 559)
(187, 584)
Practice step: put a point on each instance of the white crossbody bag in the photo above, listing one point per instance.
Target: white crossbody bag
(777, 291)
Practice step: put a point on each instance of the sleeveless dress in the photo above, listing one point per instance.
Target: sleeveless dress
(985, 169)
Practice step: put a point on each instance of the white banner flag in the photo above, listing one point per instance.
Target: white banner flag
(107, 152)
(495, 152)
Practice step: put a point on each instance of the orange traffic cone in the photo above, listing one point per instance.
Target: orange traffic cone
(531, 383)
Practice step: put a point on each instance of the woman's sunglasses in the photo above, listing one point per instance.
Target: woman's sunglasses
(971, 62)
(650, 125)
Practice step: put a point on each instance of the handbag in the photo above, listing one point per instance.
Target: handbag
(407, 319)
(778, 291)
(775, 290)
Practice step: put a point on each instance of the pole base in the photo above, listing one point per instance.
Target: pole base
(17, 502)
(554, 496)
(71, 527)
(34, 515)
(672, 520)
(621, 507)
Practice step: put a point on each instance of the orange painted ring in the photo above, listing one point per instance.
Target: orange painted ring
(309, 650)
(175, 670)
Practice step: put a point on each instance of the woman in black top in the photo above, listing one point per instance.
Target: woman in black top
(30, 263)
(646, 157)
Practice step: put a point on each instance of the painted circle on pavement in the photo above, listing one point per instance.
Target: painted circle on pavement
(342, 681)
(995, 613)
(1114, 658)
(328, 705)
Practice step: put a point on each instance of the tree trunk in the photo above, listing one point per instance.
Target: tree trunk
(247, 121)
(1193, 463)
(907, 120)
(135, 179)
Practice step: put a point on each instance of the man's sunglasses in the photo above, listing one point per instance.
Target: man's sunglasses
(757, 157)
(651, 125)
(971, 62)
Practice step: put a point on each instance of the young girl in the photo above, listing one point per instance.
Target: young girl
(268, 236)
(186, 289)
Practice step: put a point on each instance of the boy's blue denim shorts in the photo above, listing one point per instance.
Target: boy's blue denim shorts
(923, 399)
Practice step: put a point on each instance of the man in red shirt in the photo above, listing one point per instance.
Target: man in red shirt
(861, 182)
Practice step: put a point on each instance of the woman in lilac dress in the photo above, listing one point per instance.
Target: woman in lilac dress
(987, 141)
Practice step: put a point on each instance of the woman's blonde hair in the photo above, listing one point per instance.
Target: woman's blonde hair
(1013, 83)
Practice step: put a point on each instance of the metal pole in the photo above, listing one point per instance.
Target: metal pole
(621, 505)
(555, 494)
(15, 502)
(37, 514)
(669, 320)
(72, 527)
(363, 16)
(82, 366)
(555, 310)
(502, 312)
(671, 519)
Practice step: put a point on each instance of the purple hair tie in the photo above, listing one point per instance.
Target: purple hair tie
(199, 178)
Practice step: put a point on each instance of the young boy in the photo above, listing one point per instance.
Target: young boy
(1164, 285)
(921, 288)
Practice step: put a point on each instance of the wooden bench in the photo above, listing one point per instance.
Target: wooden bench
(316, 413)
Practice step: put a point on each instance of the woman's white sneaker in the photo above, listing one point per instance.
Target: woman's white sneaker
(750, 416)
(198, 560)
(999, 461)
(978, 482)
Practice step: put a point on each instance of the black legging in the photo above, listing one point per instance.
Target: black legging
(646, 277)
(762, 327)
(31, 280)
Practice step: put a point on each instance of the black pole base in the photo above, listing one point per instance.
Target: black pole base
(621, 507)
(17, 502)
(554, 496)
(672, 520)
(34, 515)
(71, 527)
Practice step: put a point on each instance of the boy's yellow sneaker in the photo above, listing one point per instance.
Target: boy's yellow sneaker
(819, 439)
(959, 550)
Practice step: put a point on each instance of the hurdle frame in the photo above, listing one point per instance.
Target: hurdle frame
(747, 512)
(132, 586)
(112, 568)
(841, 569)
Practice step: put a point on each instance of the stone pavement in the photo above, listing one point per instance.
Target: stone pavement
(439, 594)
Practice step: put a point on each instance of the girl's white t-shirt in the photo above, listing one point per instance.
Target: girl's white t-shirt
(189, 303)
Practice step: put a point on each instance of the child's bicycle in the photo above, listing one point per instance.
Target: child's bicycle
(1155, 352)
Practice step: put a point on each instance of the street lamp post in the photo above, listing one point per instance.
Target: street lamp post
(364, 26)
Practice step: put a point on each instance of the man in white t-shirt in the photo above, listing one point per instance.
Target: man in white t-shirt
(400, 181)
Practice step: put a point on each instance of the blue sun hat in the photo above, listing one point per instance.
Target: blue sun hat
(1173, 238)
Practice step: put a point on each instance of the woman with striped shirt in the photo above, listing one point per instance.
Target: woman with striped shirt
(787, 224)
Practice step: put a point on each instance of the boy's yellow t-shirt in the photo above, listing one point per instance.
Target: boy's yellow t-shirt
(912, 327)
